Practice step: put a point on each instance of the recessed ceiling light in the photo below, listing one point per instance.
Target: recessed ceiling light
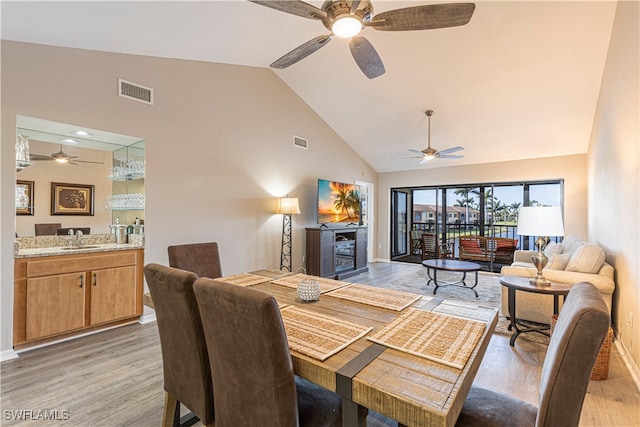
(69, 141)
(82, 133)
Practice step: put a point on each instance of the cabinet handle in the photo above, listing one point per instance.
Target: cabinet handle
(95, 279)
(82, 281)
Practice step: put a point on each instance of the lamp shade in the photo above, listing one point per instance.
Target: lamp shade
(288, 205)
(540, 221)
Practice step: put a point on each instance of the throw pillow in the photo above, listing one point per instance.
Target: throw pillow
(552, 249)
(558, 262)
(586, 259)
(570, 244)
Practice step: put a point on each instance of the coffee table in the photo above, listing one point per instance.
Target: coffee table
(515, 283)
(463, 267)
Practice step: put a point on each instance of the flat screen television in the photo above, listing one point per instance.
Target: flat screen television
(338, 202)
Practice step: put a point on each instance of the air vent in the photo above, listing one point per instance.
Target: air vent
(300, 142)
(135, 91)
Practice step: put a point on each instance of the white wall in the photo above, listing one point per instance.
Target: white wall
(570, 168)
(218, 145)
(614, 172)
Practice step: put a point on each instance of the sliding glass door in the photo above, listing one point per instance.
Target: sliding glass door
(399, 222)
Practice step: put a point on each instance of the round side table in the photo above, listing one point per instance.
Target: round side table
(515, 283)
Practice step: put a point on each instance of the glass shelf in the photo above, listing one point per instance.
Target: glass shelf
(125, 177)
(125, 202)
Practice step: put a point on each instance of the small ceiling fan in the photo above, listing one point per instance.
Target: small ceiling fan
(61, 157)
(347, 18)
(431, 153)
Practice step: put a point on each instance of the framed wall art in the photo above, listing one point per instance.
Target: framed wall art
(71, 199)
(24, 197)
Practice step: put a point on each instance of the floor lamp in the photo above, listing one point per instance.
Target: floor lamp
(287, 206)
(541, 221)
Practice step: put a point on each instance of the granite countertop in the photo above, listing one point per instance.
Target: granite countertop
(37, 252)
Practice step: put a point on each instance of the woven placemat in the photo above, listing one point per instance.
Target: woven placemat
(326, 285)
(244, 279)
(439, 337)
(379, 297)
(317, 335)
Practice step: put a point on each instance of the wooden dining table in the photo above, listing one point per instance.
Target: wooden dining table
(410, 389)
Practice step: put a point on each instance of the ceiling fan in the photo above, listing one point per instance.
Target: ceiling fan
(61, 157)
(347, 18)
(431, 153)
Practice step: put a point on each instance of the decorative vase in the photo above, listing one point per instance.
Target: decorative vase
(309, 290)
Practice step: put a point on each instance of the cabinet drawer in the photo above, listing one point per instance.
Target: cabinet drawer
(76, 263)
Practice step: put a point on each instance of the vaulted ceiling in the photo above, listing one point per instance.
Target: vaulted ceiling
(520, 80)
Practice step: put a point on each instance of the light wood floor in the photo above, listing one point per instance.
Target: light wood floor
(114, 378)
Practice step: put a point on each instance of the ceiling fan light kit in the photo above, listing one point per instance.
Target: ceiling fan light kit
(347, 18)
(429, 153)
(346, 27)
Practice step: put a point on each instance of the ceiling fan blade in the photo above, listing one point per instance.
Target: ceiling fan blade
(299, 8)
(354, 6)
(87, 161)
(451, 150)
(366, 57)
(301, 52)
(450, 156)
(418, 152)
(39, 157)
(425, 17)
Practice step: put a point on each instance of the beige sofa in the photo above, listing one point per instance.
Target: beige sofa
(570, 262)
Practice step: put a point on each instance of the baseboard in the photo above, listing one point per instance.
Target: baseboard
(628, 362)
(147, 318)
(8, 355)
(381, 260)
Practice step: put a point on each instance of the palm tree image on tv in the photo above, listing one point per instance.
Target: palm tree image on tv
(338, 202)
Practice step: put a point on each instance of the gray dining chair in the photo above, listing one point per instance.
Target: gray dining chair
(580, 330)
(253, 372)
(200, 258)
(47, 229)
(185, 360)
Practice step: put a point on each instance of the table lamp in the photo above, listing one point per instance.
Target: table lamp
(286, 207)
(541, 221)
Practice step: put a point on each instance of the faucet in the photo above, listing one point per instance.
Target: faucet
(75, 240)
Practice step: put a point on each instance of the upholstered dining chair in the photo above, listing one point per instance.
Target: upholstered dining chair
(187, 371)
(580, 330)
(253, 372)
(47, 229)
(200, 258)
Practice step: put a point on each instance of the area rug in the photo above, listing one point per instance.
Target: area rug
(489, 294)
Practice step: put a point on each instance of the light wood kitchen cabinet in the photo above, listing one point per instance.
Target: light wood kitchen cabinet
(112, 296)
(55, 304)
(63, 295)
